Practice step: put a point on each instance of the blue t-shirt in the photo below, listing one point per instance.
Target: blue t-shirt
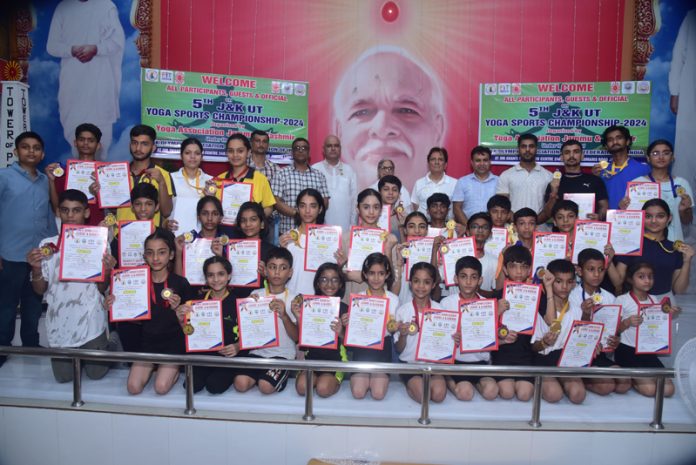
(616, 185)
(664, 263)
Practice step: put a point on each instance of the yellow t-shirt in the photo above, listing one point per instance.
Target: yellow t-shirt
(126, 213)
(261, 192)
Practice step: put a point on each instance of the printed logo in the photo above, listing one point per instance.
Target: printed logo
(300, 89)
(166, 76)
(179, 77)
(628, 87)
(643, 87)
(491, 89)
(275, 87)
(286, 88)
(516, 88)
(504, 89)
(151, 75)
(615, 87)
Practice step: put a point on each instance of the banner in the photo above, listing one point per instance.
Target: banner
(556, 112)
(211, 107)
(14, 119)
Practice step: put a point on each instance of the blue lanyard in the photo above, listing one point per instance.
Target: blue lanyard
(671, 183)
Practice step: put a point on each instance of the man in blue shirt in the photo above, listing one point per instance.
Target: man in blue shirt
(472, 192)
(26, 217)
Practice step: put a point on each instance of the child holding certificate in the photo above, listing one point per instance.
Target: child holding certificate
(389, 188)
(469, 277)
(251, 224)
(640, 279)
(162, 333)
(564, 215)
(328, 281)
(75, 317)
(377, 272)
(556, 316)
(278, 273)
(218, 272)
(415, 226)
(524, 223)
(423, 280)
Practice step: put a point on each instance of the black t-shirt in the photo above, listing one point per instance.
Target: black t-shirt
(230, 323)
(164, 324)
(664, 263)
(517, 353)
(580, 184)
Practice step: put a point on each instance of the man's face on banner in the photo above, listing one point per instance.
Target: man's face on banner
(386, 106)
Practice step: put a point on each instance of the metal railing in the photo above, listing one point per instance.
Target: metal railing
(310, 366)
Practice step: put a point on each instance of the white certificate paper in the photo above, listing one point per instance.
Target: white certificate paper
(524, 305)
(586, 203)
(206, 319)
(590, 235)
(195, 253)
(384, 217)
(82, 251)
(321, 243)
(245, 255)
(455, 249)
(610, 317)
(363, 242)
(654, 335)
(479, 325)
(80, 175)
(318, 313)
(367, 321)
(258, 324)
(547, 248)
(579, 348)
(435, 342)
(115, 184)
(626, 231)
(640, 192)
(497, 242)
(131, 290)
(131, 242)
(234, 194)
(420, 249)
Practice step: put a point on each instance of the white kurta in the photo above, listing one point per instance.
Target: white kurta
(186, 200)
(343, 187)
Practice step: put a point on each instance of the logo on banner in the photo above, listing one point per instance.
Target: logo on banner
(179, 77)
(516, 88)
(275, 87)
(643, 87)
(286, 88)
(491, 89)
(151, 75)
(615, 87)
(167, 76)
(504, 89)
(300, 89)
(628, 87)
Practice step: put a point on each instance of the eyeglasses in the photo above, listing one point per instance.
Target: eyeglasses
(334, 281)
(300, 148)
(482, 227)
(657, 153)
(387, 168)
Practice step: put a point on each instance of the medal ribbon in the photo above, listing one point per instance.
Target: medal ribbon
(559, 318)
(152, 293)
(671, 183)
(635, 299)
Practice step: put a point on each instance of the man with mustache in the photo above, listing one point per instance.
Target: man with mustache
(387, 105)
(435, 181)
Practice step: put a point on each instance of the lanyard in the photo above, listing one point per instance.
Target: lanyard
(197, 187)
(614, 170)
(671, 183)
(559, 318)
(207, 295)
(635, 299)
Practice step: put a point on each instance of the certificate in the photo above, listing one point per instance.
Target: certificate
(547, 248)
(435, 342)
(610, 317)
(315, 321)
(115, 184)
(479, 325)
(234, 194)
(206, 320)
(434, 232)
(258, 324)
(654, 335)
(321, 243)
(195, 253)
(524, 305)
(451, 251)
(420, 249)
(640, 192)
(245, 255)
(579, 348)
(384, 217)
(131, 242)
(367, 321)
(586, 203)
(590, 235)
(626, 231)
(131, 290)
(497, 242)
(80, 175)
(82, 251)
(363, 242)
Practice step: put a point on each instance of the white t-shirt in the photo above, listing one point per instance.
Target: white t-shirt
(301, 282)
(343, 186)
(574, 313)
(425, 187)
(629, 307)
(286, 346)
(674, 229)
(451, 302)
(406, 314)
(577, 296)
(186, 200)
(75, 313)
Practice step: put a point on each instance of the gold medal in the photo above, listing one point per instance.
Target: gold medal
(451, 224)
(48, 249)
(383, 236)
(541, 273)
(392, 325)
(406, 252)
(224, 240)
(298, 299)
(503, 331)
(166, 293)
(110, 219)
(557, 175)
(555, 327)
(597, 298)
(58, 172)
(677, 244)
(210, 189)
(666, 307)
(444, 249)
(400, 208)
(294, 235)
(146, 179)
(680, 190)
(604, 164)
(188, 237)
(412, 329)
(188, 329)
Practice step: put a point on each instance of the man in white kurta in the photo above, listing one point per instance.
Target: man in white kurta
(88, 38)
(342, 184)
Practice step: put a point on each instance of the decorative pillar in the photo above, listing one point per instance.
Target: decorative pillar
(646, 24)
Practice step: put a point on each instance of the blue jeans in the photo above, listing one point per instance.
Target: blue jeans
(15, 289)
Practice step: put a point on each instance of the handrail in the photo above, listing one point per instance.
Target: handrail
(426, 370)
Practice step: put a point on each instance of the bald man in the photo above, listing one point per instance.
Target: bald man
(342, 183)
(387, 105)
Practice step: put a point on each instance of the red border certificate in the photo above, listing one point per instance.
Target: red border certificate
(321, 243)
(367, 321)
(194, 255)
(234, 194)
(590, 234)
(420, 249)
(548, 247)
(245, 256)
(586, 203)
(478, 325)
(363, 242)
(258, 324)
(610, 317)
(524, 306)
(497, 242)
(82, 250)
(318, 312)
(435, 342)
(581, 344)
(627, 228)
(79, 175)
(640, 192)
(131, 287)
(654, 335)
(206, 319)
(456, 249)
(115, 184)
(131, 242)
